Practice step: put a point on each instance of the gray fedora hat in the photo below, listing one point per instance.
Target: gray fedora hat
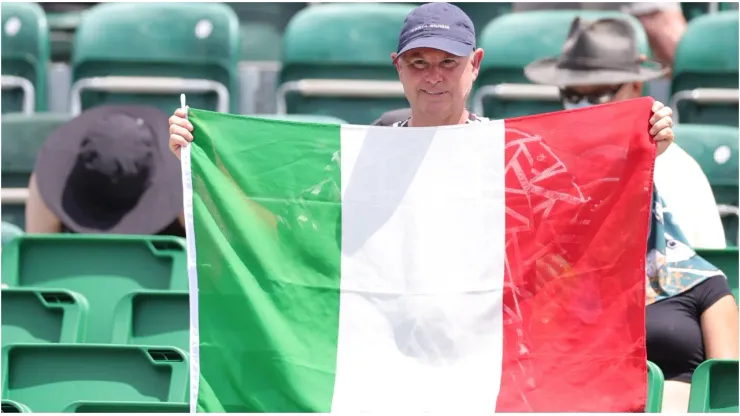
(600, 52)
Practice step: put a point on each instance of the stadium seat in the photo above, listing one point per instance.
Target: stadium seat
(714, 387)
(10, 232)
(102, 268)
(149, 53)
(655, 388)
(25, 54)
(10, 406)
(704, 88)
(42, 316)
(513, 41)
(153, 318)
(49, 378)
(715, 148)
(127, 407)
(336, 61)
(727, 261)
(23, 135)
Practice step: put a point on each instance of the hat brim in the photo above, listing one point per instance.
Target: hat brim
(443, 44)
(545, 71)
(157, 208)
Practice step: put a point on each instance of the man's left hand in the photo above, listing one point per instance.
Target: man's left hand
(661, 126)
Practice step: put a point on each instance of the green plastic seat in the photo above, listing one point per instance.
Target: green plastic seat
(714, 387)
(176, 49)
(10, 232)
(23, 135)
(715, 148)
(153, 318)
(25, 54)
(42, 316)
(707, 58)
(727, 261)
(656, 380)
(127, 407)
(10, 406)
(513, 41)
(49, 378)
(332, 42)
(102, 268)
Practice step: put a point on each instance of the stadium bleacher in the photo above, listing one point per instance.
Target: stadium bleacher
(100, 323)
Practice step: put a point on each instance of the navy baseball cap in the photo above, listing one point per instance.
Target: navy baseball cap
(440, 26)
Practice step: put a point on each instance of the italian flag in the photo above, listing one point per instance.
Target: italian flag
(470, 269)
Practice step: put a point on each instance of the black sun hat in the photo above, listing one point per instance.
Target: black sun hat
(109, 170)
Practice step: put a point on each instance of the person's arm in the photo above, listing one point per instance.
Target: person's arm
(664, 25)
(719, 321)
(39, 219)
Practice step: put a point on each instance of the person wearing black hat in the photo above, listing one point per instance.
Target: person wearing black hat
(691, 314)
(600, 63)
(108, 170)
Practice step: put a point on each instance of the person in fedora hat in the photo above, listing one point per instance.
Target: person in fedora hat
(108, 170)
(595, 54)
(600, 63)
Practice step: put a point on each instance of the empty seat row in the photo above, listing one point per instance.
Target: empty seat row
(330, 66)
(96, 289)
(77, 378)
(57, 316)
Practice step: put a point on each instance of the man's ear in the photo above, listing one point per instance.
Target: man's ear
(476, 60)
(395, 62)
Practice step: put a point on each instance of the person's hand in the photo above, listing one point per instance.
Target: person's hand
(661, 126)
(180, 131)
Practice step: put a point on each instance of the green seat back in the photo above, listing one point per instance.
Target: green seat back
(49, 378)
(127, 407)
(727, 261)
(10, 406)
(153, 318)
(656, 380)
(25, 52)
(23, 135)
(714, 387)
(198, 41)
(261, 26)
(42, 316)
(513, 41)
(707, 57)
(715, 148)
(103, 268)
(10, 232)
(333, 41)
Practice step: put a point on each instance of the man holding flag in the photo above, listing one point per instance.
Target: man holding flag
(407, 272)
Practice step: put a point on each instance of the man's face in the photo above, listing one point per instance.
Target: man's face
(436, 82)
(582, 96)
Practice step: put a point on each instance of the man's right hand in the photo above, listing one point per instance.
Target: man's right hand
(180, 131)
